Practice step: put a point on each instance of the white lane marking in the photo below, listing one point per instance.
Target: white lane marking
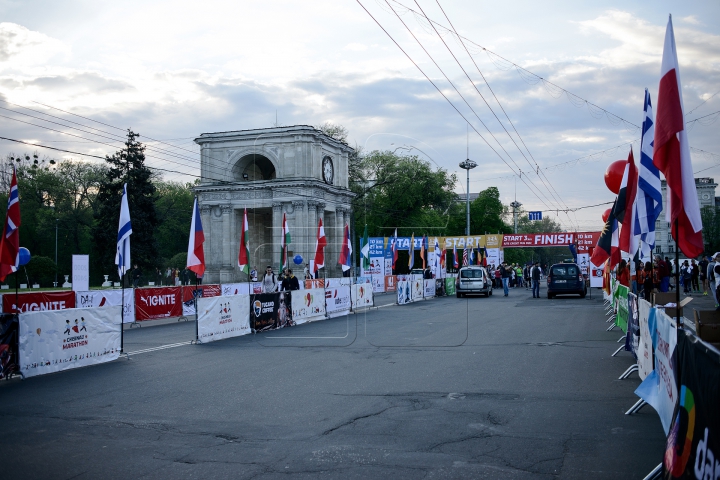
(161, 347)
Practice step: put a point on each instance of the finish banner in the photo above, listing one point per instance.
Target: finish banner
(223, 317)
(189, 293)
(54, 341)
(160, 302)
(308, 305)
(361, 296)
(337, 300)
(108, 298)
(551, 240)
(693, 444)
(40, 301)
(269, 311)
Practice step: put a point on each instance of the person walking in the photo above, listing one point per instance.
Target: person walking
(253, 274)
(269, 281)
(623, 273)
(703, 267)
(712, 280)
(695, 276)
(506, 273)
(686, 277)
(290, 282)
(647, 280)
(535, 276)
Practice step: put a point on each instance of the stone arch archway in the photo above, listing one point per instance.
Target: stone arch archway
(253, 167)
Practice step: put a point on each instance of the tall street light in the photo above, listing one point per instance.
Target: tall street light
(467, 165)
(57, 220)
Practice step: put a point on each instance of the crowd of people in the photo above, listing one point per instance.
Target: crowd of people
(695, 276)
(507, 276)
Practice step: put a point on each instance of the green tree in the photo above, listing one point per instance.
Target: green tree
(126, 166)
(486, 215)
(174, 211)
(711, 228)
(40, 270)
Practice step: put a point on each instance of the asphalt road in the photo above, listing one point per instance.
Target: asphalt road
(450, 388)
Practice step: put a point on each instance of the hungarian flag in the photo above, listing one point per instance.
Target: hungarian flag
(625, 205)
(365, 249)
(10, 242)
(456, 264)
(394, 250)
(284, 241)
(320, 243)
(607, 245)
(196, 255)
(244, 255)
(423, 249)
(346, 250)
(672, 154)
(465, 257)
(411, 258)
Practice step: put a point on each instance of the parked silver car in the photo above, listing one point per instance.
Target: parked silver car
(471, 280)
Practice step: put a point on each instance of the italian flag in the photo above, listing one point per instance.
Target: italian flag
(244, 255)
(284, 241)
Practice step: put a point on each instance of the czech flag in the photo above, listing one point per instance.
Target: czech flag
(196, 255)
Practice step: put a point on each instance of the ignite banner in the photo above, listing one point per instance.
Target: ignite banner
(162, 302)
(40, 301)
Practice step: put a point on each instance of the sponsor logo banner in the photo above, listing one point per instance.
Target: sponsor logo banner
(429, 288)
(269, 311)
(235, 289)
(390, 283)
(337, 300)
(621, 318)
(361, 296)
(314, 283)
(449, 286)
(189, 293)
(308, 305)
(51, 341)
(336, 282)
(416, 288)
(223, 317)
(644, 347)
(632, 339)
(40, 301)
(596, 276)
(8, 344)
(404, 294)
(108, 298)
(161, 302)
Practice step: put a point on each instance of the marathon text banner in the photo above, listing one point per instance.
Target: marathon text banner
(223, 317)
(308, 305)
(51, 341)
(108, 298)
(162, 302)
(40, 301)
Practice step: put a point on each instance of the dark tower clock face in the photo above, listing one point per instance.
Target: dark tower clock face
(328, 171)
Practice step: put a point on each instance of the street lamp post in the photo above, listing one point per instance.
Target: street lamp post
(467, 165)
(56, 264)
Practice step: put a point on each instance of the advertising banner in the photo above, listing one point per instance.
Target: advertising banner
(228, 289)
(693, 444)
(361, 296)
(336, 282)
(416, 288)
(337, 300)
(449, 286)
(189, 293)
(378, 284)
(429, 288)
(493, 256)
(621, 319)
(51, 341)
(583, 261)
(269, 311)
(659, 388)
(582, 239)
(390, 283)
(40, 301)
(376, 267)
(471, 241)
(644, 347)
(314, 283)
(160, 302)
(80, 273)
(223, 317)
(632, 338)
(8, 344)
(308, 305)
(403, 292)
(596, 276)
(108, 298)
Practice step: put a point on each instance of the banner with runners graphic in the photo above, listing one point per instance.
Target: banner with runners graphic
(51, 341)
(222, 317)
(361, 295)
(308, 305)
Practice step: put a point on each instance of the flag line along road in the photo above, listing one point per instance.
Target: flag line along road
(493, 387)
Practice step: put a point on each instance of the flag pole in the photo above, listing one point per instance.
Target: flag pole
(197, 332)
(122, 315)
(679, 322)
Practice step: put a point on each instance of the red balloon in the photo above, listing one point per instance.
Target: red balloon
(614, 174)
(605, 215)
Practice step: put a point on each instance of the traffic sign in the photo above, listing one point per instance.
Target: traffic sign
(535, 215)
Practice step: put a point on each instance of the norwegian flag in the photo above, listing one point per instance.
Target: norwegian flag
(10, 242)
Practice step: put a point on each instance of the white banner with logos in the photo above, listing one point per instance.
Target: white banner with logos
(403, 290)
(416, 288)
(228, 289)
(596, 276)
(308, 305)
(429, 287)
(361, 296)
(644, 348)
(80, 273)
(336, 282)
(223, 317)
(583, 260)
(108, 298)
(51, 341)
(337, 300)
(493, 256)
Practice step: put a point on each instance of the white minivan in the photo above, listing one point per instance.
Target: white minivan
(473, 279)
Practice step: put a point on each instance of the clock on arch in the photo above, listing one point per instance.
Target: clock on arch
(328, 171)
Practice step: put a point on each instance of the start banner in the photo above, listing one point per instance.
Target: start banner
(51, 341)
(108, 298)
(308, 305)
(223, 317)
(39, 301)
(161, 302)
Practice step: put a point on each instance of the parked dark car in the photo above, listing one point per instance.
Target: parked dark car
(473, 279)
(566, 278)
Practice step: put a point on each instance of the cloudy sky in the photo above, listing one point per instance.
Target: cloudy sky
(174, 69)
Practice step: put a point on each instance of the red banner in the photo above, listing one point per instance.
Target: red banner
(584, 240)
(391, 283)
(35, 301)
(314, 283)
(159, 302)
(207, 291)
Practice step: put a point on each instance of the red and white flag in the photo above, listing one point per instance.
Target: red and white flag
(671, 154)
(196, 254)
(320, 243)
(346, 250)
(10, 242)
(627, 195)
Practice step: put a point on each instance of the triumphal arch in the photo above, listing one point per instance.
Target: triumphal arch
(298, 171)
